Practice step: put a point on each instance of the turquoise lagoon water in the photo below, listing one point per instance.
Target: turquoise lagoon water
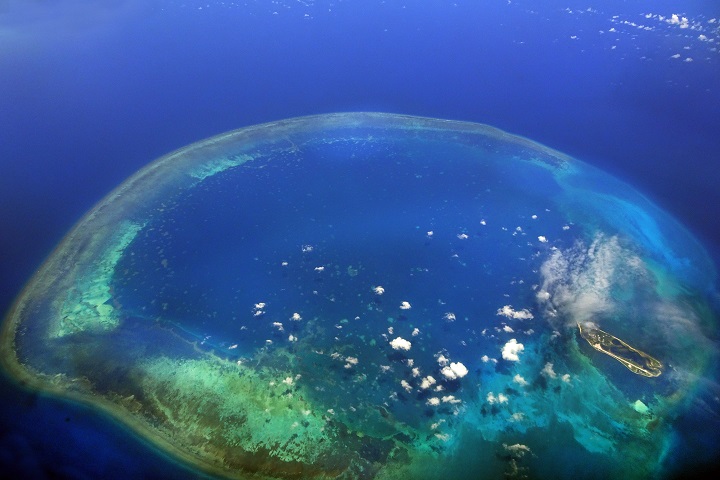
(377, 296)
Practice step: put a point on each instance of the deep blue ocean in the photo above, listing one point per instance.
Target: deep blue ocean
(92, 91)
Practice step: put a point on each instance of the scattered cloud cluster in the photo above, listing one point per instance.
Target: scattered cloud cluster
(577, 282)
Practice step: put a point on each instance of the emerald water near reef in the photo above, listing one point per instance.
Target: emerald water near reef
(368, 295)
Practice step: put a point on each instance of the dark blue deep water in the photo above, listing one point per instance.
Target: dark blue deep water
(92, 91)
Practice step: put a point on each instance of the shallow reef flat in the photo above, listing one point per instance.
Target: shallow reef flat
(366, 295)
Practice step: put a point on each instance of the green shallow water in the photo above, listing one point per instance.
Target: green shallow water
(369, 295)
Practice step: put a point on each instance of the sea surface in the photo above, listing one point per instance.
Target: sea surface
(90, 92)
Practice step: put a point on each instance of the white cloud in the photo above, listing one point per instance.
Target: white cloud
(492, 399)
(296, 317)
(518, 450)
(378, 290)
(415, 332)
(442, 361)
(579, 279)
(509, 312)
(542, 239)
(566, 378)
(451, 399)
(511, 350)
(406, 386)
(427, 382)
(543, 296)
(454, 371)
(520, 380)
(548, 371)
(508, 329)
(405, 306)
(433, 401)
(449, 316)
(400, 344)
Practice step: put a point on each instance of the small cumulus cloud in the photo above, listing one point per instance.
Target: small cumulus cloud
(486, 359)
(548, 371)
(509, 312)
(427, 382)
(454, 371)
(450, 399)
(492, 399)
(511, 350)
(518, 450)
(520, 380)
(405, 306)
(400, 343)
